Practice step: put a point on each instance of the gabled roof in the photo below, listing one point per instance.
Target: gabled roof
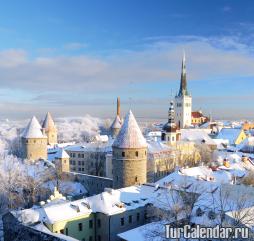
(196, 114)
(48, 123)
(130, 135)
(117, 123)
(33, 129)
(230, 134)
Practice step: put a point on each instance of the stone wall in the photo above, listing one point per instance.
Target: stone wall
(34, 148)
(93, 184)
(129, 167)
(52, 137)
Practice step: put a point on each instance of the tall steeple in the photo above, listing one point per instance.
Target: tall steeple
(183, 86)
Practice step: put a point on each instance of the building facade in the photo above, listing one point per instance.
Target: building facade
(197, 118)
(183, 101)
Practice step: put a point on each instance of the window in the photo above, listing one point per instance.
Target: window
(122, 221)
(136, 179)
(136, 153)
(90, 223)
(62, 231)
(123, 154)
(79, 163)
(83, 169)
(99, 223)
(79, 169)
(80, 227)
(138, 217)
(130, 219)
(66, 231)
(173, 138)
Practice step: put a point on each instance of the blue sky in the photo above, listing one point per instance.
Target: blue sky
(76, 57)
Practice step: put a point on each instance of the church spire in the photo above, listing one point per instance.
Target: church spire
(183, 85)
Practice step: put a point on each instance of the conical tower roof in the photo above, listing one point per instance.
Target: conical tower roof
(33, 129)
(130, 135)
(117, 123)
(48, 123)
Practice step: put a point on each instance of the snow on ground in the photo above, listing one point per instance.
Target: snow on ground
(67, 188)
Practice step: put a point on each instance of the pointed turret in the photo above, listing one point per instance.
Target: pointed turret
(33, 129)
(117, 123)
(50, 129)
(34, 142)
(129, 155)
(130, 135)
(183, 85)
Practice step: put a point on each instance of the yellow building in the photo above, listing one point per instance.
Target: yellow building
(234, 136)
(197, 118)
(50, 129)
(33, 142)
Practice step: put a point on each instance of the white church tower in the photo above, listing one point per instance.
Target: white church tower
(183, 101)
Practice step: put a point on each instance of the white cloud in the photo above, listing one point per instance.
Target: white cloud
(158, 62)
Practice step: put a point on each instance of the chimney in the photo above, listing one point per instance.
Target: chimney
(118, 106)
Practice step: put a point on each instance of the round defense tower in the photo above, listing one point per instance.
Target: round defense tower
(129, 155)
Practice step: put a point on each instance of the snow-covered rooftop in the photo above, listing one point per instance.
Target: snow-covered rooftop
(196, 135)
(229, 134)
(109, 202)
(130, 135)
(33, 129)
(117, 123)
(61, 153)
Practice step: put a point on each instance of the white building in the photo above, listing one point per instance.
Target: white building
(183, 101)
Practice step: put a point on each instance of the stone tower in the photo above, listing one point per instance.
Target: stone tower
(50, 129)
(183, 101)
(62, 160)
(169, 130)
(33, 141)
(117, 123)
(129, 155)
